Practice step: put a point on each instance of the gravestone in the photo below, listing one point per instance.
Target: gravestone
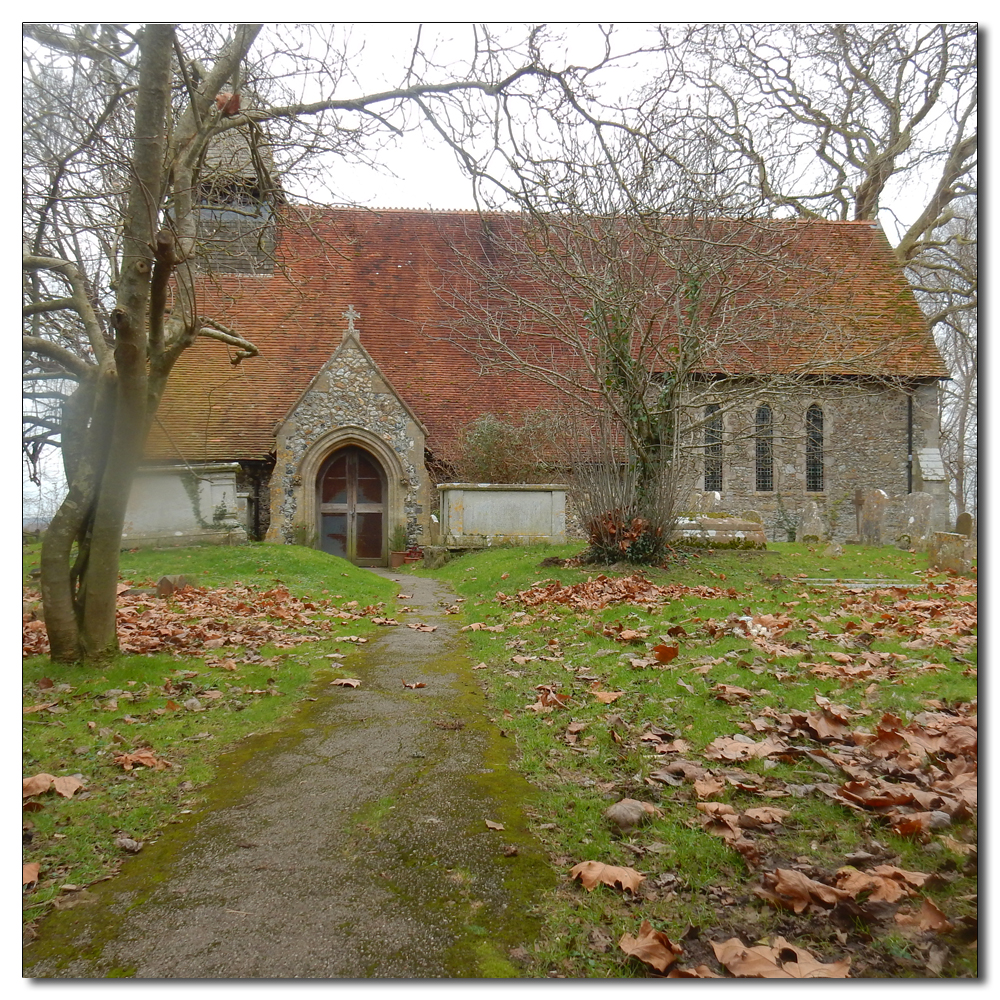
(753, 515)
(708, 501)
(951, 552)
(916, 522)
(872, 519)
(435, 556)
(859, 502)
(720, 532)
(811, 527)
(833, 551)
(965, 524)
(168, 585)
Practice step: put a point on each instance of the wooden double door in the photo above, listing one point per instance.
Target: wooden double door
(352, 494)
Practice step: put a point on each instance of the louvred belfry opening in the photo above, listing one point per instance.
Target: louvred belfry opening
(351, 504)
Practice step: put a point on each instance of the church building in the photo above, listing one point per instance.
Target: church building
(336, 433)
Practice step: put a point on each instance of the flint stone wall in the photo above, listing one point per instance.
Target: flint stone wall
(865, 446)
(349, 402)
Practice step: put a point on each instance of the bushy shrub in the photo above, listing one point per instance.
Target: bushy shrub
(494, 450)
(619, 536)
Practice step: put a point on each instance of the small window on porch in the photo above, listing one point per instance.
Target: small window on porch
(713, 448)
(764, 445)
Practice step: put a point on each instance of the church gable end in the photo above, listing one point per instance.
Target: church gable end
(348, 404)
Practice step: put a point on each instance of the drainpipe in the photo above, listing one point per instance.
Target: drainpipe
(909, 443)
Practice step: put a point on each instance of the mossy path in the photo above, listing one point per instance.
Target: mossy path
(352, 843)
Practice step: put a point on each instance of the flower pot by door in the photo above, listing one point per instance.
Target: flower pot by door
(396, 559)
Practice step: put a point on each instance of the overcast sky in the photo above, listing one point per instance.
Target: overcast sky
(419, 172)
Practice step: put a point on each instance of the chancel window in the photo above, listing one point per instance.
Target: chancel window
(713, 448)
(764, 445)
(814, 449)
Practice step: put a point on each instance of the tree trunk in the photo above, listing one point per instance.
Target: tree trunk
(81, 625)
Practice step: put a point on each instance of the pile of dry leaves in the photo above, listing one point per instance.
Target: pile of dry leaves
(602, 591)
(195, 619)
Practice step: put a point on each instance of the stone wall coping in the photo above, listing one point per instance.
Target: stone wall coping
(506, 487)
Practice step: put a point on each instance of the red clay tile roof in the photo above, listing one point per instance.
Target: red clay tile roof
(391, 265)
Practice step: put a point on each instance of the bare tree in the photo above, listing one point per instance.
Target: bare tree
(639, 304)
(945, 277)
(836, 120)
(121, 124)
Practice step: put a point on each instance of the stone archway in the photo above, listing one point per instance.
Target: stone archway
(351, 500)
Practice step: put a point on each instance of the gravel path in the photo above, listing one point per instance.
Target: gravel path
(351, 844)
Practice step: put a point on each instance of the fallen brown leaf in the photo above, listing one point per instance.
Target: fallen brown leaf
(927, 918)
(778, 961)
(36, 784)
(144, 757)
(766, 814)
(493, 825)
(957, 845)
(38, 708)
(66, 785)
(651, 946)
(594, 873)
(708, 786)
(29, 872)
(664, 653)
(730, 693)
(349, 682)
(792, 890)
(698, 972)
(883, 883)
(607, 697)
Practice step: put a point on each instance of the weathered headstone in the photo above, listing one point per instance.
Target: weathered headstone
(951, 552)
(166, 585)
(812, 527)
(833, 551)
(916, 522)
(873, 507)
(720, 532)
(709, 501)
(753, 515)
(965, 524)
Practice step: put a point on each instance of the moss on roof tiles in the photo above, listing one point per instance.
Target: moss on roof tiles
(391, 264)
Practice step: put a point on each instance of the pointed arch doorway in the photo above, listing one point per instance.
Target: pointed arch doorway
(351, 500)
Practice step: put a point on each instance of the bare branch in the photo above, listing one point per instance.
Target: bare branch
(72, 363)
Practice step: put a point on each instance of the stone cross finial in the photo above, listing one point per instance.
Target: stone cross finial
(351, 315)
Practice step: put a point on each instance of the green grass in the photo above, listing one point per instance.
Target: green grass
(610, 762)
(74, 840)
(695, 881)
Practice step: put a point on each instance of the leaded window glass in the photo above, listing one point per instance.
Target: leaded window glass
(713, 448)
(764, 446)
(814, 449)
